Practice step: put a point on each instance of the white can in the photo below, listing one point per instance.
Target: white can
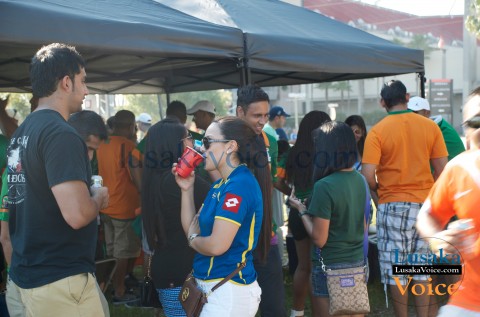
(97, 181)
(471, 236)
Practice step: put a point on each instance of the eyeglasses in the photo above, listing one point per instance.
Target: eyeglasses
(473, 122)
(207, 142)
(188, 137)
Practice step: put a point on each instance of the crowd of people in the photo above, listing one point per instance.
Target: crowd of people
(225, 216)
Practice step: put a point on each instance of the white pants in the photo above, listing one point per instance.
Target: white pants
(231, 300)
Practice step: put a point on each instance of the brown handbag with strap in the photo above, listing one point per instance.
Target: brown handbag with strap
(193, 298)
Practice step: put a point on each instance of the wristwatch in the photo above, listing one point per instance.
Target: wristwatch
(191, 237)
(303, 213)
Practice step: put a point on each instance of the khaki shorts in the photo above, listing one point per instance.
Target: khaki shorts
(121, 240)
(77, 295)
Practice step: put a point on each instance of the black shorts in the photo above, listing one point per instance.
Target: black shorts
(295, 225)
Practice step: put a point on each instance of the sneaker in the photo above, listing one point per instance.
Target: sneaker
(126, 298)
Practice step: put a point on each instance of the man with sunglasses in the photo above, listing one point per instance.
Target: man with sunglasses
(253, 106)
(457, 193)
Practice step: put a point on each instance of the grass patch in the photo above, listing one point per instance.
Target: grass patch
(375, 292)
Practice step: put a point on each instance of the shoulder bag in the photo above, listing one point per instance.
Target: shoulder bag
(347, 288)
(148, 292)
(193, 298)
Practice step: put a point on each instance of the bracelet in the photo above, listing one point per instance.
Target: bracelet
(303, 213)
(191, 237)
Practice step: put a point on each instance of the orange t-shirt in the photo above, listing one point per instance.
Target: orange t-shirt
(113, 165)
(401, 145)
(457, 193)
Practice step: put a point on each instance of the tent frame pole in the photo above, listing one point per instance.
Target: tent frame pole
(421, 75)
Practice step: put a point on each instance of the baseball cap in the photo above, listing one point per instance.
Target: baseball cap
(418, 103)
(203, 105)
(277, 111)
(144, 118)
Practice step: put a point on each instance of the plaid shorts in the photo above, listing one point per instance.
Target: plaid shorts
(397, 238)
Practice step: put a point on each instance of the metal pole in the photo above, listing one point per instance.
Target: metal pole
(444, 63)
(469, 56)
(422, 84)
(296, 113)
(159, 101)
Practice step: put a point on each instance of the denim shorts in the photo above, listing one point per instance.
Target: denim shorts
(319, 280)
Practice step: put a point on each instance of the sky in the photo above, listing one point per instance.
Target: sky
(422, 7)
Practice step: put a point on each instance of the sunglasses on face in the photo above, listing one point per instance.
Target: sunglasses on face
(208, 141)
(473, 122)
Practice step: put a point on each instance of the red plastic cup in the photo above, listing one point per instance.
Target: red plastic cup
(188, 162)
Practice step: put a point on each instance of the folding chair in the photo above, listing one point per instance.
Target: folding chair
(104, 272)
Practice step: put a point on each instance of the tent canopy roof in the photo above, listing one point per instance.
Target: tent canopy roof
(130, 46)
(286, 43)
(148, 46)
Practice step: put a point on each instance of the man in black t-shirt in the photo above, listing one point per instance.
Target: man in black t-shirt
(52, 212)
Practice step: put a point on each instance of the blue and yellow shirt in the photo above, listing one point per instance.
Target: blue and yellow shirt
(237, 199)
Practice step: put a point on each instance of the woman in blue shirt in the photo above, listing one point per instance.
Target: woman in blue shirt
(234, 219)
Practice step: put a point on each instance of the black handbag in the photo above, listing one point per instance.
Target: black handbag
(148, 292)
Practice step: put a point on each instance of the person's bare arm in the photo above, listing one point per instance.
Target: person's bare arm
(438, 165)
(320, 231)
(136, 172)
(432, 230)
(282, 186)
(187, 209)
(316, 228)
(6, 243)
(427, 226)
(78, 208)
(368, 170)
(218, 242)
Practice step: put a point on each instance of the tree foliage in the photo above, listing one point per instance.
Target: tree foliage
(150, 103)
(139, 103)
(473, 20)
(222, 99)
(18, 105)
(419, 42)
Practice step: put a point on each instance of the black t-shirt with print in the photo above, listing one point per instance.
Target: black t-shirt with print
(46, 151)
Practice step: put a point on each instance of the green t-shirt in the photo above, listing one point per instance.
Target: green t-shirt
(196, 136)
(3, 164)
(4, 197)
(273, 156)
(270, 130)
(452, 139)
(340, 198)
(3, 151)
(141, 145)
